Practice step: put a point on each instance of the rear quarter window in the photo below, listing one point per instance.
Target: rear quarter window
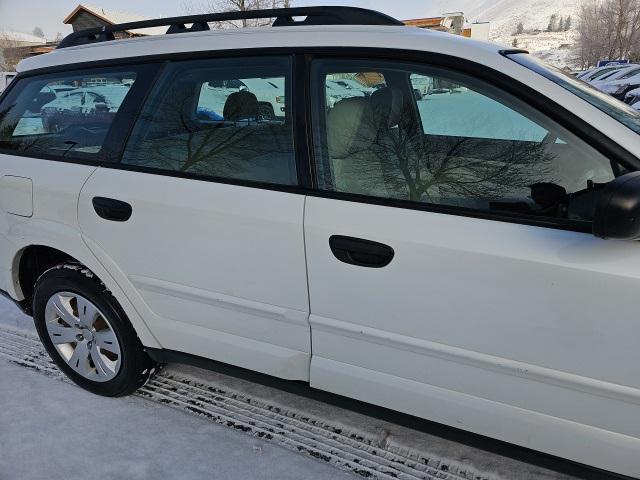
(66, 115)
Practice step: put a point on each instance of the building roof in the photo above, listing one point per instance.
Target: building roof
(113, 17)
(425, 22)
(22, 37)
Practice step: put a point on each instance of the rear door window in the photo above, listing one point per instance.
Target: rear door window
(66, 115)
(222, 118)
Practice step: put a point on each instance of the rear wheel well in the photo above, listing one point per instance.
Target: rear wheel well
(34, 261)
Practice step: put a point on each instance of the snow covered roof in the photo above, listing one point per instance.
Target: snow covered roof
(113, 16)
(22, 37)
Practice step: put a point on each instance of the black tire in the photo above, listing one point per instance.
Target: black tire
(265, 112)
(136, 368)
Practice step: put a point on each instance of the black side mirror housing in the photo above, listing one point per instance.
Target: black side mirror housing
(617, 213)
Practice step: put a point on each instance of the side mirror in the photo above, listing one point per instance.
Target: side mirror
(617, 213)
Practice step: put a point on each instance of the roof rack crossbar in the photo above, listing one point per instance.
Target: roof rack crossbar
(283, 17)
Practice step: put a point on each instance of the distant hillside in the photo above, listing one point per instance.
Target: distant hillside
(504, 15)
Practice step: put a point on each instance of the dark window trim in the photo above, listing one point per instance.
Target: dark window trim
(584, 227)
(120, 132)
(299, 100)
(546, 106)
(300, 190)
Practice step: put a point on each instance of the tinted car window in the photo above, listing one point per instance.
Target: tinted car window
(434, 136)
(226, 118)
(66, 115)
(448, 108)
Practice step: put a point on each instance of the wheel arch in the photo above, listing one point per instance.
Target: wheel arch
(31, 260)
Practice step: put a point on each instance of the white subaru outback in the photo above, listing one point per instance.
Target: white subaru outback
(466, 255)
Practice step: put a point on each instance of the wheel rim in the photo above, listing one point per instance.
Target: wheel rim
(83, 336)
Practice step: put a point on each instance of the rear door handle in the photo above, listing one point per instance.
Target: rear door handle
(112, 209)
(361, 252)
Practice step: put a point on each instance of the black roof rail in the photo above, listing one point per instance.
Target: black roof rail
(283, 17)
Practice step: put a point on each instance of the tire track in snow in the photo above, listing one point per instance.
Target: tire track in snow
(294, 430)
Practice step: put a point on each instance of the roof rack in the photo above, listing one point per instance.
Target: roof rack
(283, 17)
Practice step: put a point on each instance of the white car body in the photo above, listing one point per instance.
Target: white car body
(519, 332)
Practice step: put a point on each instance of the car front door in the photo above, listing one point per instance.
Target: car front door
(452, 274)
(199, 224)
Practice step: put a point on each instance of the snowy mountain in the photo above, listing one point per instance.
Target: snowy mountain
(504, 15)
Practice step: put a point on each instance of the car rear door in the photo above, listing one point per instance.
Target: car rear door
(452, 274)
(201, 222)
(44, 161)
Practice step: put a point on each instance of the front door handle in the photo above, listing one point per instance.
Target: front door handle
(361, 252)
(112, 209)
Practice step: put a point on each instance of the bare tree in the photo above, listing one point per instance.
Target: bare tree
(377, 157)
(212, 6)
(608, 29)
(9, 53)
(38, 32)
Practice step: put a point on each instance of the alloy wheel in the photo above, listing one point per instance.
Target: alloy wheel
(83, 336)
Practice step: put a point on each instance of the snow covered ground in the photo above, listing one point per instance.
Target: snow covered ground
(219, 427)
(554, 47)
(52, 429)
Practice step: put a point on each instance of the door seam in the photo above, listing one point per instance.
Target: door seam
(306, 266)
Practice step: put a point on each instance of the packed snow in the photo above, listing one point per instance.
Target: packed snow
(51, 428)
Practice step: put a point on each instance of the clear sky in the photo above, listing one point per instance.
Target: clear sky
(24, 15)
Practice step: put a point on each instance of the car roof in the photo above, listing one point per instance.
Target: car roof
(355, 36)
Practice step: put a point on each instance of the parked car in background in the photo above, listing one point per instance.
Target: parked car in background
(269, 92)
(620, 87)
(5, 79)
(470, 257)
(351, 84)
(337, 90)
(621, 73)
(599, 72)
(97, 104)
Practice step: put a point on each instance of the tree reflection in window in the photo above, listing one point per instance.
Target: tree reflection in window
(442, 142)
(239, 137)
